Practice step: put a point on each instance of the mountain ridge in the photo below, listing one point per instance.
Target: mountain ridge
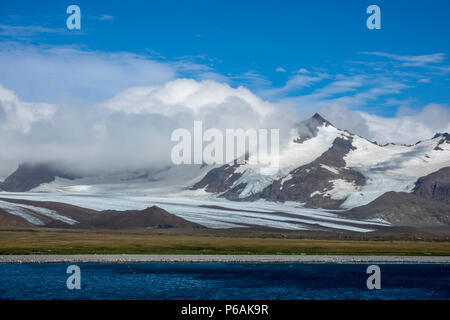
(333, 176)
(62, 215)
(322, 167)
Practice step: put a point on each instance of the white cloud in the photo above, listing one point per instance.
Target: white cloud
(380, 87)
(27, 32)
(342, 84)
(183, 95)
(85, 74)
(19, 115)
(407, 129)
(131, 103)
(355, 92)
(252, 79)
(302, 70)
(132, 129)
(105, 17)
(294, 83)
(412, 61)
(280, 69)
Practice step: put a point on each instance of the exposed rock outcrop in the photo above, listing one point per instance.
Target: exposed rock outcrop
(218, 179)
(435, 186)
(29, 176)
(316, 183)
(404, 209)
(444, 138)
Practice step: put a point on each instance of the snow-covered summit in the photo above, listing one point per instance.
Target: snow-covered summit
(323, 166)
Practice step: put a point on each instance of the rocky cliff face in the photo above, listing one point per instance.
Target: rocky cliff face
(314, 183)
(218, 179)
(443, 138)
(435, 186)
(29, 176)
(405, 209)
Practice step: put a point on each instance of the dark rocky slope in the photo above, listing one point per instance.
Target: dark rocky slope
(404, 209)
(152, 217)
(218, 179)
(10, 221)
(435, 186)
(313, 177)
(29, 176)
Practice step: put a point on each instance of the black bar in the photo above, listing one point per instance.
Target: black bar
(242, 309)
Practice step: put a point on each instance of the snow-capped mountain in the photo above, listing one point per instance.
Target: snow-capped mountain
(328, 179)
(325, 167)
(321, 167)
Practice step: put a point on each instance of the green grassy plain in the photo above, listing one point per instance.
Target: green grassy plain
(109, 242)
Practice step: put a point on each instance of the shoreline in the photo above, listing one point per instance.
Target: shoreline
(198, 258)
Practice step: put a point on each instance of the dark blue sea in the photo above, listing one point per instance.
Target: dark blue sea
(286, 281)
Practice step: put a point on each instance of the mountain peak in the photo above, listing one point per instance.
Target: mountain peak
(320, 120)
(444, 138)
(308, 128)
(29, 175)
(443, 135)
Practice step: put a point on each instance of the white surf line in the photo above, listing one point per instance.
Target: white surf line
(225, 258)
(20, 212)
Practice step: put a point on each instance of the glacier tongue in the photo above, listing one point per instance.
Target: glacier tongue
(254, 182)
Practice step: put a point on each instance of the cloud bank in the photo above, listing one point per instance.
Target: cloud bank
(97, 111)
(132, 129)
(402, 129)
(128, 131)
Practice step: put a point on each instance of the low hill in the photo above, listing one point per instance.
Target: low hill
(8, 220)
(23, 213)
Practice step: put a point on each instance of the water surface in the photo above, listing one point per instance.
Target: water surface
(157, 281)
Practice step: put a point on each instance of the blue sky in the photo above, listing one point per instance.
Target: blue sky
(305, 53)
